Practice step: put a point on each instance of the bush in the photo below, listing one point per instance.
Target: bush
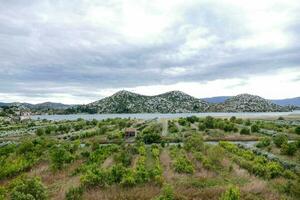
(254, 128)
(263, 142)
(194, 142)
(289, 148)
(233, 119)
(74, 193)
(128, 179)
(280, 139)
(209, 122)
(233, 193)
(95, 177)
(28, 189)
(59, 156)
(150, 138)
(245, 131)
(40, 131)
(167, 193)
(183, 165)
(297, 130)
(274, 169)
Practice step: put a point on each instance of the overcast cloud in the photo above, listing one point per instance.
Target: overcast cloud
(78, 51)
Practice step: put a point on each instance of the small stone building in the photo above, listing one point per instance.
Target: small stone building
(130, 132)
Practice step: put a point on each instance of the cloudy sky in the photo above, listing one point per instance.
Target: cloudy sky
(78, 51)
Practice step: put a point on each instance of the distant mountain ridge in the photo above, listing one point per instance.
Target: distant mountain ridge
(129, 102)
(176, 102)
(169, 102)
(41, 106)
(282, 102)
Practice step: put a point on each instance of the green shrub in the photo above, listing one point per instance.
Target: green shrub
(274, 169)
(183, 165)
(194, 142)
(263, 142)
(245, 131)
(289, 148)
(297, 130)
(95, 177)
(254, 128)
(167, 193)
(233, 193)
(74, 193)
(59, 156)
(28, 189)
(280, 139)
(128, 180)
(40, 131)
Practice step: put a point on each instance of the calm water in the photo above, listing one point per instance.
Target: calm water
(159, 115)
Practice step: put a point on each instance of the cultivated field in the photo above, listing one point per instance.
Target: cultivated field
(185, 158)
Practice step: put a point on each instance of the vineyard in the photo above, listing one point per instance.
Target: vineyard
(185, 158)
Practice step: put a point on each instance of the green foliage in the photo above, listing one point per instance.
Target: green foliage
(209, 122)
(245, 131)
(60, 156)
(254, 128)
(233, 193)
(280, 139)
(167, 193)
(128, 180)
(182, 121)
(183, 165)
(74, 193)
(232, 119)
(194, 142)
(274, 169)
(151, 134)
(192, 119)
(40, 131)
(28, 189)
(297, 130)
(95, 177)
(263, 142)
(289, 148)
(255, 164)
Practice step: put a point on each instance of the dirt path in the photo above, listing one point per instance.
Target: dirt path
(166, 162)
(164, 123)
(108, 162)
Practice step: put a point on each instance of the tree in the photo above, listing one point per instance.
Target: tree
(297, 130)
(195, 141)
(149, 138)
(59, 157)
(254, 128)
(233, 119)
(40, 131)
(280, 139)
(245, 131)
(167, 193)
(28, 189)
(263, 142)
(209, 122)
(289, 148)
(233, 193)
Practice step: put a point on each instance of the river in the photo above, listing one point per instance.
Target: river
(161, 115)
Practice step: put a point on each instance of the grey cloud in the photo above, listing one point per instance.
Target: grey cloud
(40, 58)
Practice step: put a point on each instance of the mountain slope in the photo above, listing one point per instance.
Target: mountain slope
(176, 102)
(128, 102)
(284, 102)
(247, 103)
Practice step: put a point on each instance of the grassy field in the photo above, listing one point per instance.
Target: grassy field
(185, 158)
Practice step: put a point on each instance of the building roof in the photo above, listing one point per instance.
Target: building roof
(130, 130)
